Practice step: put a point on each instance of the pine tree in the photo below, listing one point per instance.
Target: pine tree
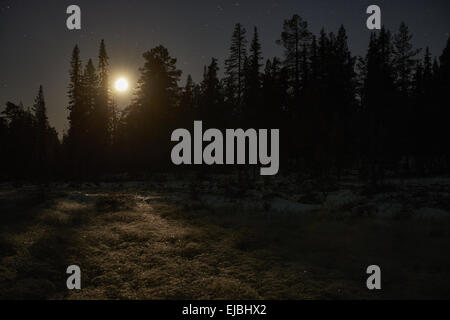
(212, 96)
(294, 37)
(40, 112)
(255, 57)
(404, 61)
(21, 141)
(404, 58)
(158, 89)
(188, 104)
(75, 101)
(90, 94)
(150, 115)
(104, 92)
(115, 119)
(101, 113)
(427, 71)
(234, 66)
(341, 92)
(211, 83)
(103, 64)
(187, 96)
(252, 91)
(274, 93)
(76, 136)
(378, 99)
(45, 139)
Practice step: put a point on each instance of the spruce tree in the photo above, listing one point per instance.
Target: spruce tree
(90, 94)
(40, 112)
(234, 66)
(75, 100)
(212, 96)
(187, 96)
(252, 91)
(188, 104)
(76, 136)
(46, 141)
(101, 114)
(404, 58)
(294, 37)
(150, 115)
(378, 98)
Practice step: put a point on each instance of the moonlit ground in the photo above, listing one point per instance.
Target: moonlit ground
(170, 239)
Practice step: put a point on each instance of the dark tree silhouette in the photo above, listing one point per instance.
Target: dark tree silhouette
(150, 116)
(212, 98)
(42, 132)
(294, 38)
(378, 97)
(234, 68)
(252, 89)
(101, 115)
(77, 134)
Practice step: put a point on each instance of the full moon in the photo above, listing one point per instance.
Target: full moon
(121, 84)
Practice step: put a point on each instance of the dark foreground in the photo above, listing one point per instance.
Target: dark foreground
(172, 239)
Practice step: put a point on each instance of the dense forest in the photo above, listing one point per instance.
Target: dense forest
(383, 113)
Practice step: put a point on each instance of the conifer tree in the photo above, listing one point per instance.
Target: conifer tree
(75, 100)
(45, 140)
(212, 96)
(76, 136)
(234, 66)
(404, 58)
(187, 96)
(101, 113)
(40, 112)
(252, 88)
(41, 120)
(378, 100)
(90, 94)
(150, 115)
(294, 37)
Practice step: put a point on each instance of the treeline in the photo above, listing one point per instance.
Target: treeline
(29, 147)
(383, 112)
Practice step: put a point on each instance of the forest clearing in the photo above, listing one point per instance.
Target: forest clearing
(172, 238)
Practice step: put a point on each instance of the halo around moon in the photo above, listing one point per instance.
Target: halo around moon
(121, 85)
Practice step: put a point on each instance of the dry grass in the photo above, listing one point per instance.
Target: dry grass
(142, 245)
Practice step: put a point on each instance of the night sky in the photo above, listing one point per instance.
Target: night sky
(35, 45)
